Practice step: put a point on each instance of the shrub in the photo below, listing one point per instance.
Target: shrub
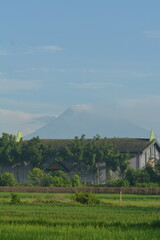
(15, 198)
(76, 181)
(85, 198)
(7, 179)
(118, 183)
(47, 180)
(36, 175)
(59, 182)
(137, 176)
(148, 185)
(63, 179)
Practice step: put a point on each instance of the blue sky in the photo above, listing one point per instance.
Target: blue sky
(56, 53)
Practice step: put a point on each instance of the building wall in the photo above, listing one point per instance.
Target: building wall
(20, 172)
(134, 162)
(149, 155)
(98, 177)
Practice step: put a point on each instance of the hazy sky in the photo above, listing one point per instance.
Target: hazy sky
(56, 53)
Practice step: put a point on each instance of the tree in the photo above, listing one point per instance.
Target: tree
(137, 176)
(47, 180)
(89, 154)
(36, 176)
(63, 178)
(10, 149)
(152, 173)
(7, 179)
(33, 152)
(76, 181)
(74, 151)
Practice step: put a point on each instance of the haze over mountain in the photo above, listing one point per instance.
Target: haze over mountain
(80, 120)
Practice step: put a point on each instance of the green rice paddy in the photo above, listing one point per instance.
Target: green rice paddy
(57, 216)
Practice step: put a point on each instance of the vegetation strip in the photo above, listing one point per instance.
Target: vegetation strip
(147, 191)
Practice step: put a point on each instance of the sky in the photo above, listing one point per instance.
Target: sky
(55, 54)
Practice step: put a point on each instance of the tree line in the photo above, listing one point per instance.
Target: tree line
(81, 153)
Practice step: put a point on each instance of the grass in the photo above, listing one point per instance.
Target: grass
(56, 216)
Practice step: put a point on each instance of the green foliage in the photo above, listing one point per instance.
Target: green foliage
(118, 183)
(47, 180)
(86, 198)
(142, 177)
(59, 182)
(148, 185)
(136, 176)
(61, 179)
(85, 154)
(39, 178)
(153, 176)
(33, 152)
(76, 181)
(10, 149)
(54, 181)
(36, 175)
(7, 179)
(15, 198)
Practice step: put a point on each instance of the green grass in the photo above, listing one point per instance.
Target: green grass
(56, 216)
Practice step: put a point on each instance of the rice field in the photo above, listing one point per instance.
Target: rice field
(56, 216)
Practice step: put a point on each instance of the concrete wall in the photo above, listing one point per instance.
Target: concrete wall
(133, 162)
(150, 155)
(98, 177)
(20, 172)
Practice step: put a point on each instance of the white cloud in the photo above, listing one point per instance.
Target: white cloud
(41, 69)
(8, 85)
(14, 121)
(82, 107)
(94, 85)
(49, 48)
(152, 34)
(44, 48)
(30, 105)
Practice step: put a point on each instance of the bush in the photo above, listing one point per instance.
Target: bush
(47, 180)
(118, 183)
(36, 175)
(137, 176)
(76, 181)
(148, 185)
(15, 198)
(7, 179)
(63, 179)
(85, 198)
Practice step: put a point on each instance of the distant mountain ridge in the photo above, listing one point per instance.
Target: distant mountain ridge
(76, 121)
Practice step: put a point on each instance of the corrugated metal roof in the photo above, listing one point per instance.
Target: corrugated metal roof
(132, 145)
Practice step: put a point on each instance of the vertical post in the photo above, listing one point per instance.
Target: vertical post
(120, 198)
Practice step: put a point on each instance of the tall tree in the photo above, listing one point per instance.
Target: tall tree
(89, 154)
(10, 149)
(33, 151)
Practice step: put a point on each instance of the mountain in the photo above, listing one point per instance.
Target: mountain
(78, 120)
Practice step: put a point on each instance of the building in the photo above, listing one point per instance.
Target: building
(141, 152)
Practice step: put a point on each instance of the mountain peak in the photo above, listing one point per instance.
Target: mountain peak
(83, 119)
